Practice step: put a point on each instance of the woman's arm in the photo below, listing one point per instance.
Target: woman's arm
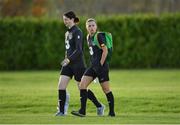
(104, 54)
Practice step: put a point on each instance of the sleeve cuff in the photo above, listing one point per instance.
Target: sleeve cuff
(68, 60)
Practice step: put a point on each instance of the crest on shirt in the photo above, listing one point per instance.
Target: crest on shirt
(90, 42)
(93, 44)
(70, 36)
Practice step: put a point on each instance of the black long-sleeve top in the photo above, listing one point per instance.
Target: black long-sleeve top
(74, 45)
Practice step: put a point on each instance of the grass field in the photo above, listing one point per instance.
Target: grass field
(141, 96)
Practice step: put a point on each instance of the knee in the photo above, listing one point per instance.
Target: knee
(82, 85)
(106, 90)
(61, 85)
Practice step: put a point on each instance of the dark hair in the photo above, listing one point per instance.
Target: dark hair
(72, 15)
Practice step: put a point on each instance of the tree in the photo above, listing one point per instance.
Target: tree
(14, 7)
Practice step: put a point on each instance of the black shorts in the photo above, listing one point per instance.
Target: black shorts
(102, 72)
(76, 71)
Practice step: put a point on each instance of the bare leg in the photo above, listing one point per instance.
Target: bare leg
(63, 82)
(85, 81)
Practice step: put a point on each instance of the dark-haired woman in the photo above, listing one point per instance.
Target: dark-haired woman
(73, 64)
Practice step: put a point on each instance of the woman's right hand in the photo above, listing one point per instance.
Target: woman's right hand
(65, 62)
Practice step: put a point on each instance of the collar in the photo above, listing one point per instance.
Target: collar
(72, 28)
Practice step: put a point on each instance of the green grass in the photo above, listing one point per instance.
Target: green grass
(141, 96)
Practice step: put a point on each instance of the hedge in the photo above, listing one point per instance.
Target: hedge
(144, 41)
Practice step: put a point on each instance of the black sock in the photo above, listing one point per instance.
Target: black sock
(93, 98)
(62, 99)
(110, 99)
(83, 99)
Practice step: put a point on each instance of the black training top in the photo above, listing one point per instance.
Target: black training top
(94, 50)
(74, 45)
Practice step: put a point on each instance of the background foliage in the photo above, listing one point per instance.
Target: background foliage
(140, 41)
